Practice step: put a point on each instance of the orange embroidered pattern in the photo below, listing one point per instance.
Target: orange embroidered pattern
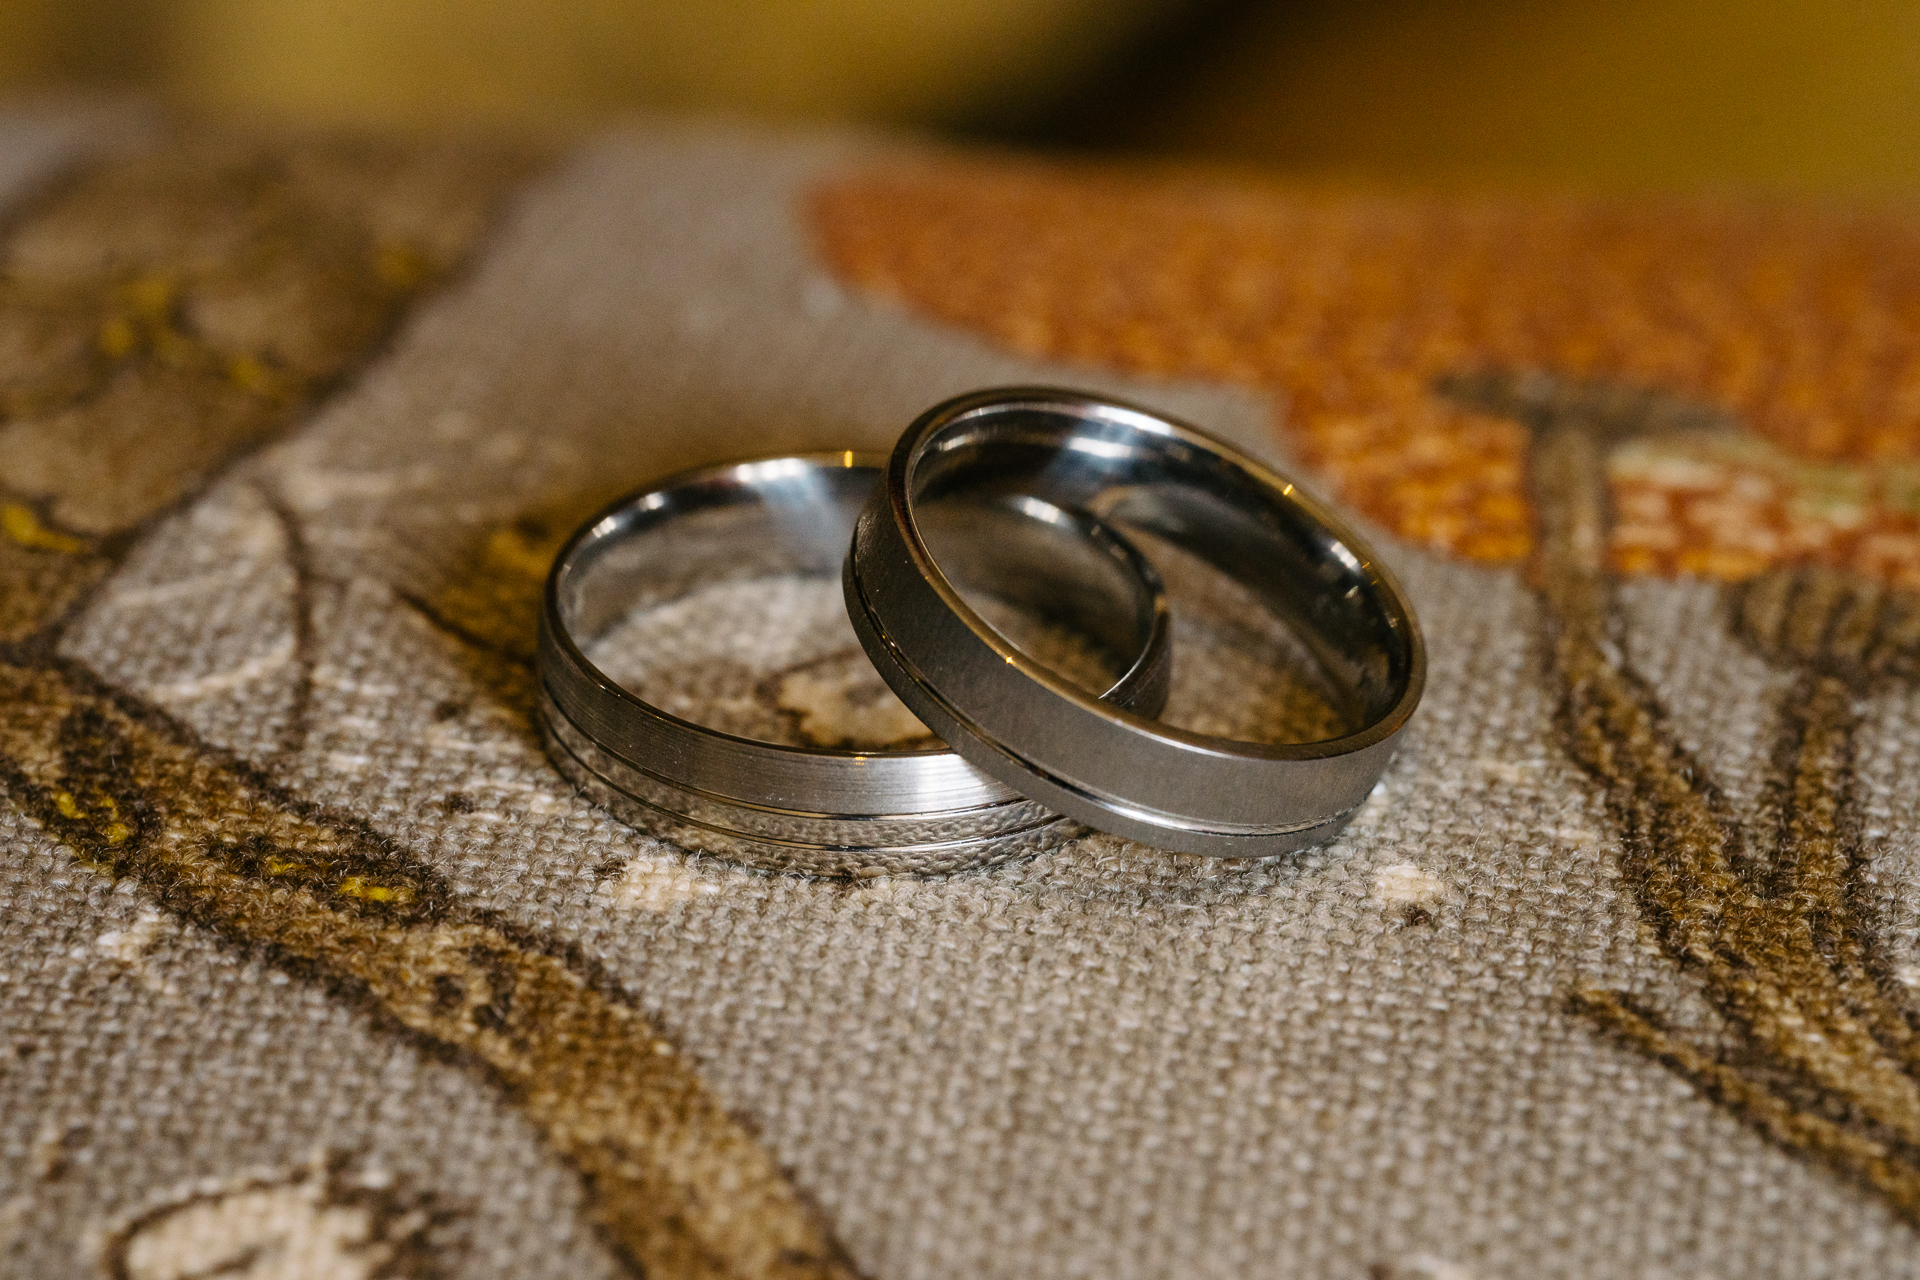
(1803, 324)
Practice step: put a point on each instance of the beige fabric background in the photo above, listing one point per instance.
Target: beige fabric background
(1108, 1062)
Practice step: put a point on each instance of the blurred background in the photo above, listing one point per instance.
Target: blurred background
(1806, 95)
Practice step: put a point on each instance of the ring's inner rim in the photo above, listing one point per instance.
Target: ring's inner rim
(796, 516)
(1135, 469)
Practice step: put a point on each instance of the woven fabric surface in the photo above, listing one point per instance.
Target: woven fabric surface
(313, 966)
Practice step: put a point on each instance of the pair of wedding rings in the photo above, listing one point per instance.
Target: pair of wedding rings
(1010, 494)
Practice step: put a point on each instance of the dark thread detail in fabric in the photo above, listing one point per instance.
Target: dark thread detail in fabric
(495, 664)
(449, 993)
(492, 598)
(299, 558)
(457, 631)
(489, 605)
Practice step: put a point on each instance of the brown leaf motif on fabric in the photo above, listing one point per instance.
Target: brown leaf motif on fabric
(161, 315)
(1779, 938)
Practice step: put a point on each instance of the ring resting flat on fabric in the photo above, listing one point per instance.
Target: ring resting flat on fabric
(819, 810)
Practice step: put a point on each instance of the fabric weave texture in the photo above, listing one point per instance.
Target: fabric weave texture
(311, 965)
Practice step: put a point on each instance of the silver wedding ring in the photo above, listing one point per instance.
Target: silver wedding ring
(1110, 767)
(819, 810)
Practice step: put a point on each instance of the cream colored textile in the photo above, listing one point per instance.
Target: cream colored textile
(1108, 1062)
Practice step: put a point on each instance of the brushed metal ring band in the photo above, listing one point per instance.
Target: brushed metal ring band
(817, 811)
(1113, 769)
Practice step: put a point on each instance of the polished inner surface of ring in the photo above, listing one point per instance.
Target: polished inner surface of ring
(1042, 572)
(1114, 769)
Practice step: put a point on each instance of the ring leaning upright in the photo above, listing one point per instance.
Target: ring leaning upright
(1116, 769)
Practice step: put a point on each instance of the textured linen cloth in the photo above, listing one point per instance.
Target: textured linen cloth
(310, 965)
